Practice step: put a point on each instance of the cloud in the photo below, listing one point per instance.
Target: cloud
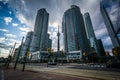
(2, 40)
(4, 30)
(26, 14)
(10, 42)
(107, 41)
(23, 33)
(100, 33)
(4, 49)
(10, 35)
(2, 45)
(25, 29)
(14, 24)
(113, 13)
(10, 12)
(4, 52)
(7, 20)
(23, 20)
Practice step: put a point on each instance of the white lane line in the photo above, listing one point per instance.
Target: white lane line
(2, 75)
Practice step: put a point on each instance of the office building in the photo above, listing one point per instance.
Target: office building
(48, 42)
(40, 31)
(73, 29)
(100, 49)
(26, 45)
(90, 32)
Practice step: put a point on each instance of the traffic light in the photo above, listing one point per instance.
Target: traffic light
(27, 53)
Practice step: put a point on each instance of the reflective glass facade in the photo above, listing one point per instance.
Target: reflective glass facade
(109, 26)
(26, 45)
(73, 29)
(90, 32)
(40, 31)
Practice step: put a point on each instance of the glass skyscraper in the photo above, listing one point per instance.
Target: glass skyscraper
(73, 29)
(109, 26)
(48, 42)
(100, 48)
(90, 32)
(96, 45)
(26, 44)
(40, 31)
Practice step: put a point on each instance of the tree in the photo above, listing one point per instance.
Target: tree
(116, 50)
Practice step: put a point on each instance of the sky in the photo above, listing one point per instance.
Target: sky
(17, 17)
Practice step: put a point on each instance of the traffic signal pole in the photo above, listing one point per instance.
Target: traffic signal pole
(25, 57)
(18, 54)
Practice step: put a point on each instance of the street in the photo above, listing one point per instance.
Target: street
(11, 74)
(72, 71)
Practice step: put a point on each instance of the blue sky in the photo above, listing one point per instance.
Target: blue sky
(17, 17)
(11, 29)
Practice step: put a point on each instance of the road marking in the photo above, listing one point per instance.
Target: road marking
(2, 75)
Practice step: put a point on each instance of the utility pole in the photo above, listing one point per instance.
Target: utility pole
(18, 53)
(10, 56)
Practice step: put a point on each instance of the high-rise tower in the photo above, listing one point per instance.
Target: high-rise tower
(109, 26)
(90, 32)
(48, 43)
(73, 29)
(40, 30)
(26, 45)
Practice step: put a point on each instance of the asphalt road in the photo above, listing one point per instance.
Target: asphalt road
(58, 72)
(10, 74)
